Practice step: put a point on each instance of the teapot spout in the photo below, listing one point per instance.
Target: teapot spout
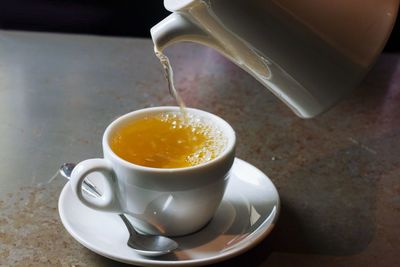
(199, 26)
(178, 27)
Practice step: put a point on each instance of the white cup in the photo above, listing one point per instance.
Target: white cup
(170, 202)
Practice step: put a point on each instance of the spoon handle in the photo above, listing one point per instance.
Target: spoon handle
(128, 225)
(66, 171)
(90, 188)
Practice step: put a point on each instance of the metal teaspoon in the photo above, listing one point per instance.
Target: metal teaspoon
(146, 245)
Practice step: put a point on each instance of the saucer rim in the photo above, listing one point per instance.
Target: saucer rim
(143, 261)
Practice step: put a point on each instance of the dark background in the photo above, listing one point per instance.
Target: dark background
(114, 18)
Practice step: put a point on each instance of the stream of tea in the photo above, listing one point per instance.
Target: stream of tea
(169, 76)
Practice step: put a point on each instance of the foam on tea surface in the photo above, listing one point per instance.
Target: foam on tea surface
(168, 140)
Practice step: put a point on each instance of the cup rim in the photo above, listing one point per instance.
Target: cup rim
(227, 129)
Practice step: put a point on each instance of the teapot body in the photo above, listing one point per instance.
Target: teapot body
(308, 53)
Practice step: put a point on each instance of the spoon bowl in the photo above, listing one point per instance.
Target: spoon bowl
(148, 245)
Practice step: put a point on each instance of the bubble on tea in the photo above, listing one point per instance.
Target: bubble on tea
(214, 141)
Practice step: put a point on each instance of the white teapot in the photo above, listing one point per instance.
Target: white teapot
(309, 53)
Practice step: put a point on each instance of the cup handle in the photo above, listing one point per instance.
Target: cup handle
(107, 201)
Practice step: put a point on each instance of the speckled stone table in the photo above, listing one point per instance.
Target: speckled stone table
(337, 175)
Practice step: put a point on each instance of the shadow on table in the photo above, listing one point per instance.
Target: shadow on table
(336, 212)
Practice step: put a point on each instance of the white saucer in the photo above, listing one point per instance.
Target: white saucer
(247, 214)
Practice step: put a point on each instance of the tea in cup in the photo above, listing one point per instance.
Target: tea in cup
(168, 171)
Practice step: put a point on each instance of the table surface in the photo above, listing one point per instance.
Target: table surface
(337, 174)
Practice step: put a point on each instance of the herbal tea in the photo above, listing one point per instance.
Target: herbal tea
(168, 140)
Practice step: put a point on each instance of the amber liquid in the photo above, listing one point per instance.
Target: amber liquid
(167, 141)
